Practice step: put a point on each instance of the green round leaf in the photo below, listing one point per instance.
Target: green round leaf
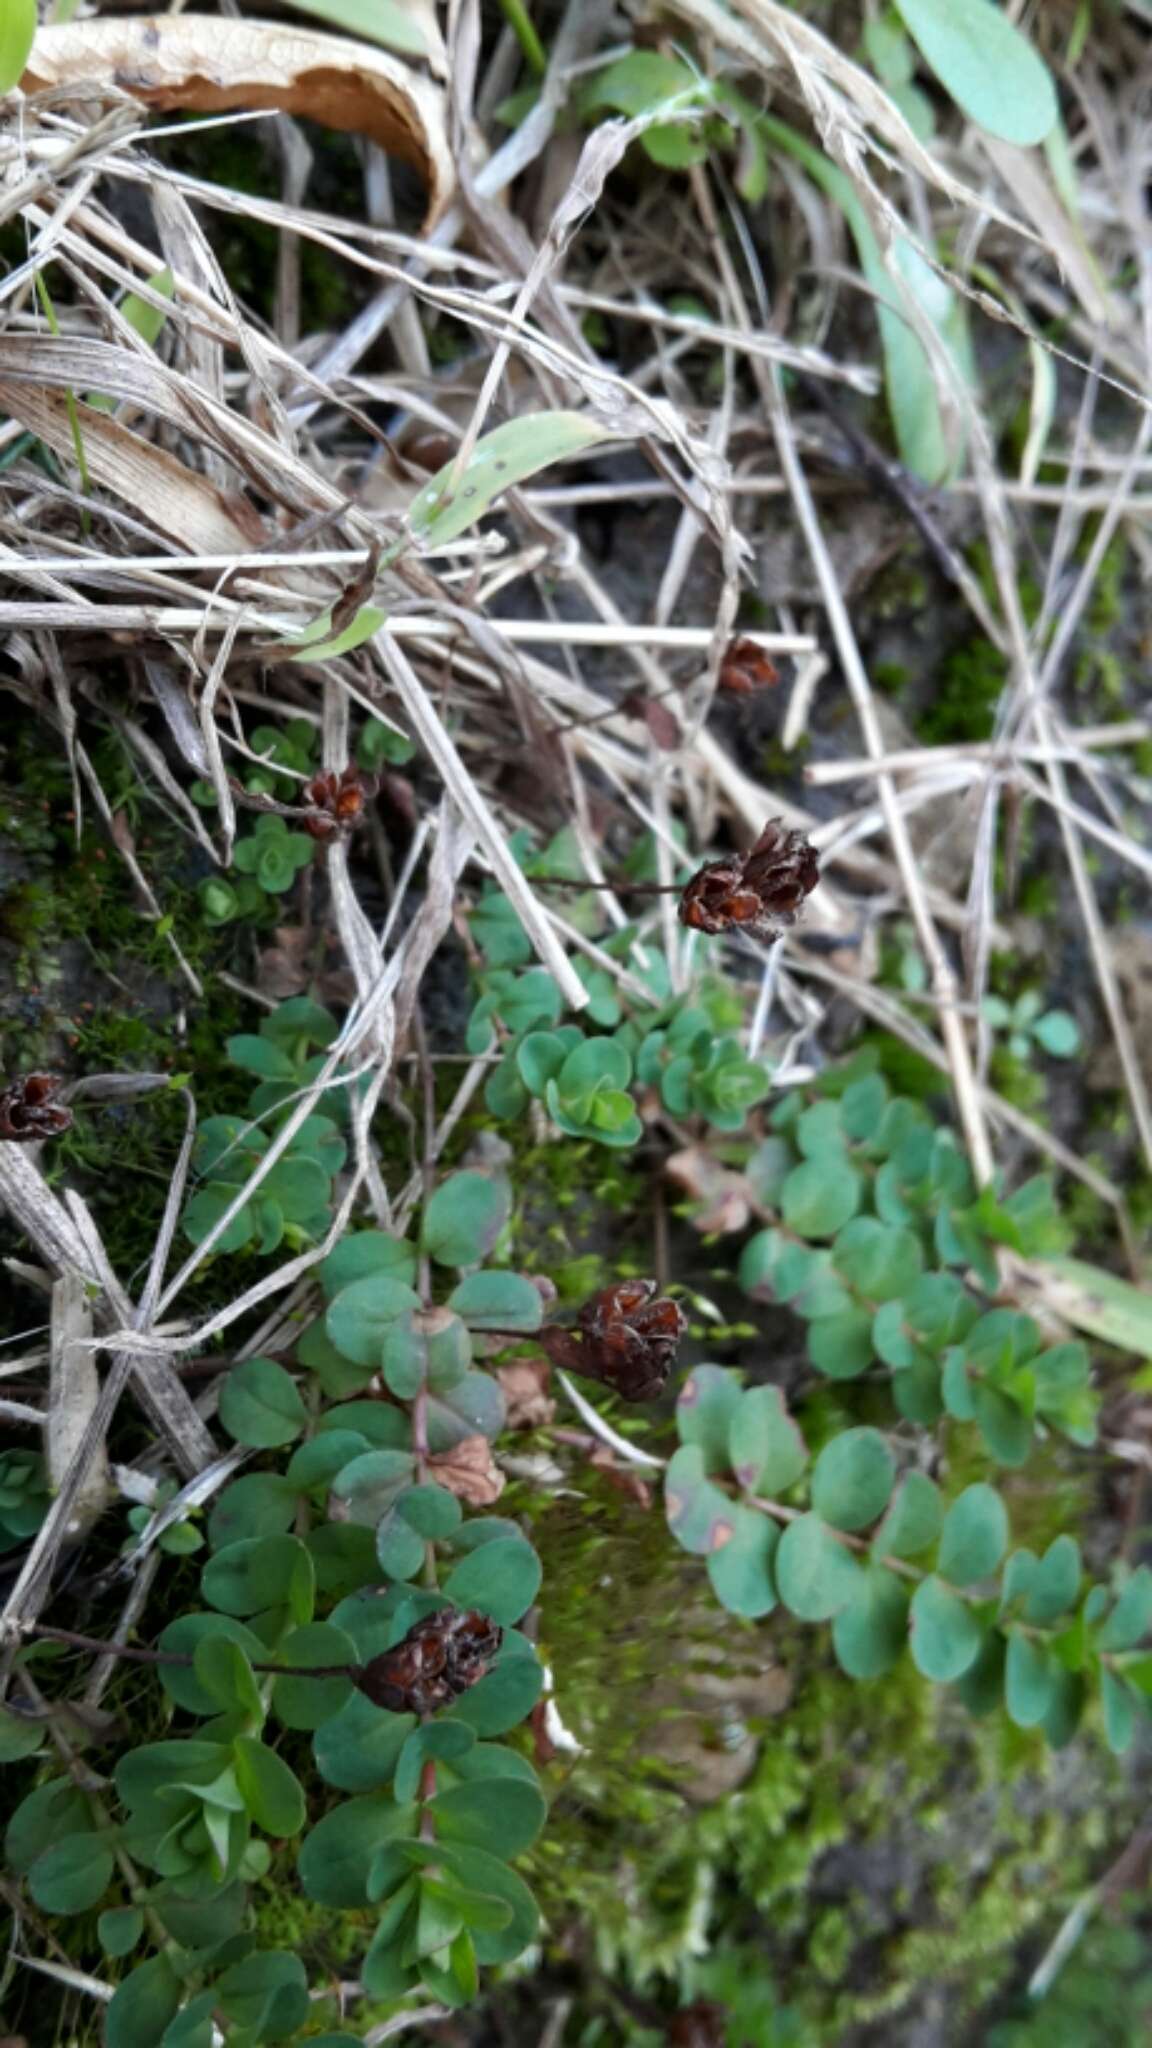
(974, 1537)
(988, 66)
(1055, 1584)
(142, 2006)
(489, 1876)
(945, 1634)
(699, 1515)
(501, 1579)
(880, 1260)
(741, 1568)
(364, 1252)
(1122, 1705)
(399, 1550)
(765, 1448)
(1131, 1618)
(815, 1575)
(49, 1811)
(706, 1405)
(362, 1313)
(502, 1810)
(182, 1638)
(913, 1519)
(503, 1698)
(431, 1510)
(869, 1635)
(820, 1196)
(357, 1750)
(70, 1876)
(464, 1218)
(259, 1572)
(1029, 1679)
(266, 1993)
(256, 1504)
(498, 1301)
(853, 1478)
(120, 1929)
(309, 1702)
(336, 1855)
(260, 1405)
(841, 1345)
(473, 1407)
(271, 1791)
(1058, 1033)
(369, 1486)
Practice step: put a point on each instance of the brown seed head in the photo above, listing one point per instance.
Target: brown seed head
(745, 669)
(338, 802)
(29, 1110)
(626, 1337)
(437, 1661)
(758, 894)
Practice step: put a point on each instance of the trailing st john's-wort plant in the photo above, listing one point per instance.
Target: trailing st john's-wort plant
(341, 1700)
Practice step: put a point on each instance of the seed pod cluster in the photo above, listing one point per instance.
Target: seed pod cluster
(436, 1662)
(626, 1337)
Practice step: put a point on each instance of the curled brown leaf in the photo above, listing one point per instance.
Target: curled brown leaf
(469, 1471)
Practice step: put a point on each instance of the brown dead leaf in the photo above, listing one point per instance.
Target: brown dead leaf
(663, 724)
(286, 967)
(726, 1198)
(207, 64)
(525, 1386)
(183, 505)
(470, 1472)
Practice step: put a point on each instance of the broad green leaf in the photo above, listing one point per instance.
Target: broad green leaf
(815, 1575)
(72, 1874)
(1131, 1617)
(945, 1634)
(119, 1929)
(881, 1261)
(706, 1405)
(740, 1568)
(501, 1579)
(322, 644)
(1122, 1704)
(869, 1634)
(1055, 1585)
(390, 22)
(142, 2006)
(487, 1874)
(336, 1855)
(19, 1737)
(473, 1407)
(698, 1514)
(367, 1251)
(260, 1405)
(1003, 1425)
(266, 1993)
(369, 1486)
(362, 1312)
(257, 1504)
(986, 64)
(819, 1196)
(1069, 1694)
(448, 505)
(498, 1300)
(913, 1519)
(272, 1792)
(43, 1815)
(490, 1810)
(464, 1217)
(224, 1672)
(852, 1479)
(981, 1688)
(1105, 1306)
(503, 1698)
(183, 1637)
(765, 1448)
(309, 1702)
(974, 1537)
(841, 1345)
(358, 1748)
(260, 1572)
(1029, 1679)
(17, 31)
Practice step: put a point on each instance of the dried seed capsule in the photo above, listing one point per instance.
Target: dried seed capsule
(626, 1337)
(29, 1110)
(758, 894)
(437, 1661)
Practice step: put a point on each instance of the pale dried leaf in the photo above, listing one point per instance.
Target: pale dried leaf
(526, 1398)
(208, 65)
(181, 504)
(470, 1472)
(725, 1198)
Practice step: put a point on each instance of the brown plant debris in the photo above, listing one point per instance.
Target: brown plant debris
(626, 1337)
(759, 893)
